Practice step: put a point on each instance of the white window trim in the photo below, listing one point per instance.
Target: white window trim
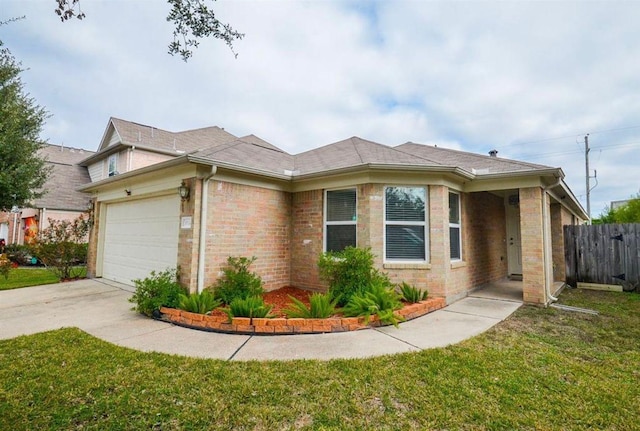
(115, 172)
(337, 223)
(457, 225)
(424, 223)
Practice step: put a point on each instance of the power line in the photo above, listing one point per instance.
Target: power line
(557, 153)
(570, 136)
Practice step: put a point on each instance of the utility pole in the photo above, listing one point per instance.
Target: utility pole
(588, 186)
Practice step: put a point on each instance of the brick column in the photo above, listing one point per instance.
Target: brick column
(189, 238)
(92, 251)
(531, 227)
(439, 240)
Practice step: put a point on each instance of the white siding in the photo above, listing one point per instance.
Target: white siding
(95, 171)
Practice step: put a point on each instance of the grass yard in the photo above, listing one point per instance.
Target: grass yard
(24, 277)
(540, 369)
(33, 276)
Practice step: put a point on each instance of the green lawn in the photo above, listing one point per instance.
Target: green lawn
(34, 276)
(23, 277)
(540, 369)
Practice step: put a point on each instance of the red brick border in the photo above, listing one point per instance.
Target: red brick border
(282, 325)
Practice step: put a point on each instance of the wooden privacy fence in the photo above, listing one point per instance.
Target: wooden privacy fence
(603, 254)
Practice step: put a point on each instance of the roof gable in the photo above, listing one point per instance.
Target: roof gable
(350, 153)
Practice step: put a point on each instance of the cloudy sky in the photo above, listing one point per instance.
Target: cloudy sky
(529, 79)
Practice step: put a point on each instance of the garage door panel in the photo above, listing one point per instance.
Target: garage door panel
(140, 236)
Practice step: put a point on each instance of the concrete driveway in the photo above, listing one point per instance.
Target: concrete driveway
(101, 308)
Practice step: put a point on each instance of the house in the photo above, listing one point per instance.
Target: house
(60, 202)
(445, 220)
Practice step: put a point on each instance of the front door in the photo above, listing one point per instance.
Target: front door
(514, 243)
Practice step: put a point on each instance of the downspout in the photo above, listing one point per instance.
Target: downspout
(203, 227)
(545, 240)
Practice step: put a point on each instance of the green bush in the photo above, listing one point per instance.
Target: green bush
(349, 272)
(412, 294)
(5, 266)
(201, 303)
(252, 306)
(157, 290)
(62, 246)
(320, 306)
(380, 300)
(237, 281)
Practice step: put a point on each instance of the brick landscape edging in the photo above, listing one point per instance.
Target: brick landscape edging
(283, 325)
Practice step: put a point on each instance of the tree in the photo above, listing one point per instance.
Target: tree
(627, 213)
(22, 172)
(193, 20)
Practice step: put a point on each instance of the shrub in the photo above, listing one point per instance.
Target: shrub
(201, 303)
(237, 281)
(379, 300)
(349, 272)
(320, 306)
(157, 290)
(5, 266)
(412, 294)
(252, 306)
(62, 246)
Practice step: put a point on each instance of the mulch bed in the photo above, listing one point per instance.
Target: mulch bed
(279, 299)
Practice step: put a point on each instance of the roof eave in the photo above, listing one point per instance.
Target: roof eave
(162, 165)
(232, 166)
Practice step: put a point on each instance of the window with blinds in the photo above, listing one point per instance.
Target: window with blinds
(405, 223)
(455, 232)
(340, 219)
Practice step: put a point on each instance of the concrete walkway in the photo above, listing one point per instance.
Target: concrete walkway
(100, 308)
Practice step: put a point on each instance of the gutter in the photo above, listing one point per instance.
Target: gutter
(546, 241)
(203, 228)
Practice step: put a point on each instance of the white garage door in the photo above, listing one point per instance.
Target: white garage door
(140, 236)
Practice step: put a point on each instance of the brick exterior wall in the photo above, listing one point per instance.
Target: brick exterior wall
(249, 221)
(484, 249)
(560, 217)
(531, 228)
(483, 230)
(189, 239)
(94, 233)
(307, 239)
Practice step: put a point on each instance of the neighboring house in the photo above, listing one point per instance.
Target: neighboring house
(617, 204)
(61, 201)
(444, 220)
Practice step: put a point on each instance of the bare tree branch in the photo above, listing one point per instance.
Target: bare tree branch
(193, 21)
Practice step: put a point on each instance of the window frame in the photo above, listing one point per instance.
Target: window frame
(113, 157)
(424, 223)
(457, 225)
(326, 222)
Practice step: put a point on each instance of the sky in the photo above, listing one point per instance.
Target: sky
(529, 79)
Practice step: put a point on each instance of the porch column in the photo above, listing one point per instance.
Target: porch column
(188, 237)
(439, 241)
(532, 227)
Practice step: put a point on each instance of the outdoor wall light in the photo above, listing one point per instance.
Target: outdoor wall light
(183, 190)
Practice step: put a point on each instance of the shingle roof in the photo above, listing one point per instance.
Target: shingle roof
(350, 153)
(468, 161)
(187, 141)
(65, 177)
(252, 153)
(64, 155)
